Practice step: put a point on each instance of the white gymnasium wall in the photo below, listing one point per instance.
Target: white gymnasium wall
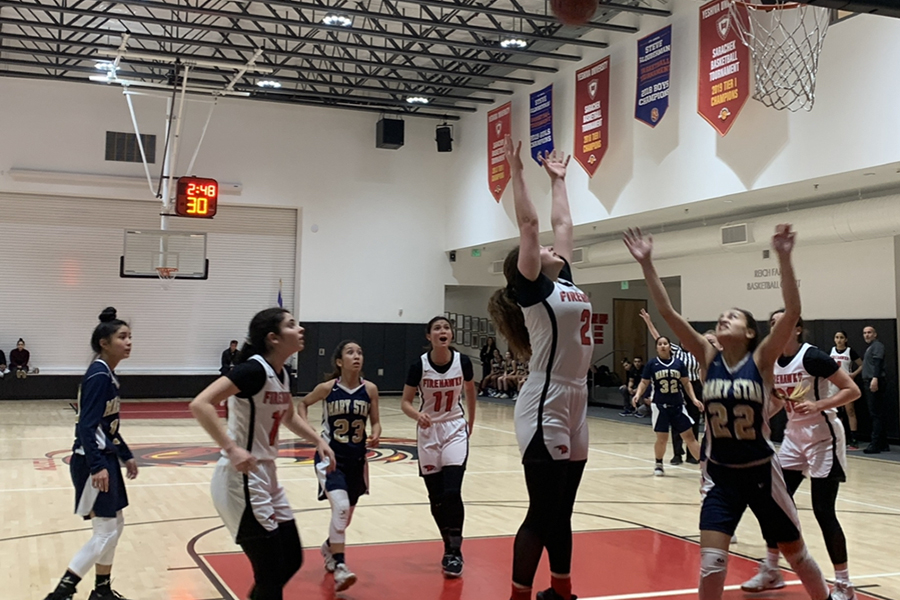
(471, 300)
(62, 269)
(683, 159)
(378, 251)
(852, 280)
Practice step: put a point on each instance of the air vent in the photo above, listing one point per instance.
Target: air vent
(735, 234)
(123, 147)
(577, 256)
(497, 267)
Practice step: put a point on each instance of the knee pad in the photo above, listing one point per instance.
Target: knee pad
(712, 561)
(713, 568)
(341, 512)
(100, 549)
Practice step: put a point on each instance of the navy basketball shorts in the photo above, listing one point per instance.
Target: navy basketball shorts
(89, 499)
(729, 491)
(350, 475)
(671, 417)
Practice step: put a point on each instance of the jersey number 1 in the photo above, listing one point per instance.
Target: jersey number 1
(276, 421)
(437, 401)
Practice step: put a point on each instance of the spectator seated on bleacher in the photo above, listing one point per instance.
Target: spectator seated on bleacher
(19, 359)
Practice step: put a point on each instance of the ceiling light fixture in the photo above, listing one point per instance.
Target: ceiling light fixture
(518, 43)
(339, 20)
(417, 100)
(268, 83)
(105, 65)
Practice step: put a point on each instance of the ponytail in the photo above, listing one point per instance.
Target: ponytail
(506, 313)
(263, 323)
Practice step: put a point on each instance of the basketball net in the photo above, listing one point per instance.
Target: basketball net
(785, 39)
(166, 276)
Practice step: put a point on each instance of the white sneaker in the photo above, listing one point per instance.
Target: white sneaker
(843, 590)
(328, 557)
(734, 539)
(766, 578)
(658, 471)
(343, 577)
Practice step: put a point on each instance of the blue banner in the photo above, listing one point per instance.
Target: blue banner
(541, 113)
(654, 59)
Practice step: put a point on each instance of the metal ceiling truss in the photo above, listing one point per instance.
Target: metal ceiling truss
(453, 53)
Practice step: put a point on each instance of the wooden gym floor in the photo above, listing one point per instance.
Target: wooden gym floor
(636, 534)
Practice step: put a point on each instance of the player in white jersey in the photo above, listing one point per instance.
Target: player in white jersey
(97, 455)
(851, 362)
(545, 317)
(813, 446)
(439, 377)
(245, 487)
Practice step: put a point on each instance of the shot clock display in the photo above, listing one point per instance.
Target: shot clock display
(196, 197)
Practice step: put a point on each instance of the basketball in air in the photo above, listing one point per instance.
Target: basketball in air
(573, 12)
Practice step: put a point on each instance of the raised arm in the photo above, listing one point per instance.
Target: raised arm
(526, 215)
(560, 216)
(641, 249)
(654, 332)
(772, 345)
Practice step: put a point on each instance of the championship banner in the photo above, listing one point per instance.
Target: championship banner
(591, 112)
(541, 109)
(499, 126)
(654, 58)
(724, 78)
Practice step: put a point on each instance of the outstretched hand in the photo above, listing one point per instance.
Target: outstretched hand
(783, 240)
(512, 152)
(554, 163)
(645, 315)
(641, 247)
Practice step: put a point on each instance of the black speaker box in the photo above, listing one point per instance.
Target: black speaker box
(389, 134)
(443, 135)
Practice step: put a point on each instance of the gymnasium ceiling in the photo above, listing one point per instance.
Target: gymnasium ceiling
(446, 51)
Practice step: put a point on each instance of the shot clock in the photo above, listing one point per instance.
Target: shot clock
(196, 197)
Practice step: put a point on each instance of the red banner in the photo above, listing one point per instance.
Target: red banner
(499, 126)
(591, 115)
(724, 78)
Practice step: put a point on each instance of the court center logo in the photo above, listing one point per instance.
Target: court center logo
(390, 450)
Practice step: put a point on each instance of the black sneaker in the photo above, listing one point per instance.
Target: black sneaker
(676, 460)
(872, 449)
(691, 460)
(550, 594)
(109, 594)
(58, 595)
(452, 564)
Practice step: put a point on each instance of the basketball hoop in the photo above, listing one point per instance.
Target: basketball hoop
(166, 273)
(785, 39)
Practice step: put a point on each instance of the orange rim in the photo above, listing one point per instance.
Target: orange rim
(166, 272)
(767, 7)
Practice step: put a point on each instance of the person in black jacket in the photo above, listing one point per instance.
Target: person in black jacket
(873, 390)
(97, 455)
(486, 354)
(229, 357)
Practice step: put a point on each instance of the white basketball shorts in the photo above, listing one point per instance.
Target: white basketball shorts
(561, 415)
(268, 502)
(444, 444)
(815, 448)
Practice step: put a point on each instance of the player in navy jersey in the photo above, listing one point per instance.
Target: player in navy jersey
(740, 464)
(439, 378)
(245, 487)
(814, 445)
(349, 401)
(669, 377)
(97, 454)
(546, 319)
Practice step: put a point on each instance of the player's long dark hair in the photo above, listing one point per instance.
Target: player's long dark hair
(752, 326)
(109, 325)
(799, 324)
(338, 355)
(261, 325)
(507, 314)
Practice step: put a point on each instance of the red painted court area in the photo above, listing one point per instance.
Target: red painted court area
(159, 410)
(635, 563)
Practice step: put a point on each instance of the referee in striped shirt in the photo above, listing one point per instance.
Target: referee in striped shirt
(693, 368)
